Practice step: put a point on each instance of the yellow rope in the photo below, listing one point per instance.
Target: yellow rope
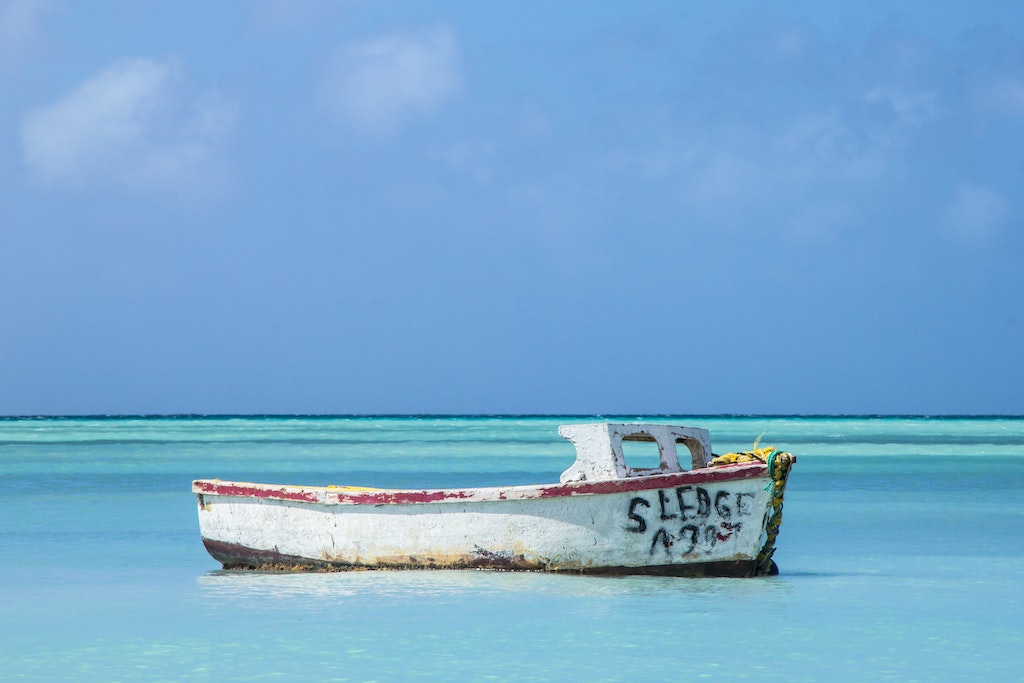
(779, 464)
(778, 467)
(756, 453)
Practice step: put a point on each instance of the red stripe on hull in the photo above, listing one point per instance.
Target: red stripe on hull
(396, 497)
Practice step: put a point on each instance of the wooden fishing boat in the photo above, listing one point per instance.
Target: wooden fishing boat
(718, 517)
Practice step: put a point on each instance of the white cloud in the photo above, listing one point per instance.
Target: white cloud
(802, 176)
(19, 27)
(377, 84)
(127, 126)
(975, 215)
(913, 108)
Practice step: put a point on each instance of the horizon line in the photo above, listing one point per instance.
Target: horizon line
(214, 416)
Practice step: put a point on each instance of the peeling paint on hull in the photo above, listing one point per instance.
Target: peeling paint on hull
(602, 517)
(709, 522)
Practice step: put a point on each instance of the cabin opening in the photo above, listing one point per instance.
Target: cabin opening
(693, 455)
(641, 452)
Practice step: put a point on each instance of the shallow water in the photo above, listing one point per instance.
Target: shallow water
(901, 555)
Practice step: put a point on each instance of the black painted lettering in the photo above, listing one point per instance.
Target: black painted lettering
(662, 536)
(689, 534)
(663, 501)
(744, 503)
(703, 502)
(683, 507)
(726, 530)
(710, 534)
(722, 504)
(641, 523)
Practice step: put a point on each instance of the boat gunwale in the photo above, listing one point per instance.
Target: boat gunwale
(332, 495)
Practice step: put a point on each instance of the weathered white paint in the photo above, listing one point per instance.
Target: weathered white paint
(599, 449)
(630, 521)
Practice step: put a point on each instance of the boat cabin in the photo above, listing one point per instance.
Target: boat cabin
(599, 449)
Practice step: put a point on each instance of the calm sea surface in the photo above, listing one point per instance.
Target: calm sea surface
(901, 557)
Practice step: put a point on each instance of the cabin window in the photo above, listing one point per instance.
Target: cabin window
(686, 457)
(641, 454)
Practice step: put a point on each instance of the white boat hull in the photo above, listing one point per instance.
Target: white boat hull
(711, 521)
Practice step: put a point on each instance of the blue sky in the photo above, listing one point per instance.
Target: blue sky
(465, 207)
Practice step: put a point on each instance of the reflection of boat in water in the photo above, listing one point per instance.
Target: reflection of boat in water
(326, 590)
(720, 517)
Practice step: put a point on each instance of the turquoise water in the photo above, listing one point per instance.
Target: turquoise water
(901, 557)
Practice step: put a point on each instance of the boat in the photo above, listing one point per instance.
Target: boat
(717, 516)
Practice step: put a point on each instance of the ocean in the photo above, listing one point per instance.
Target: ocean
(901, 557)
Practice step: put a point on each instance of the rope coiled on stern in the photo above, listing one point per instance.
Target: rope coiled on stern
(779, 464)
